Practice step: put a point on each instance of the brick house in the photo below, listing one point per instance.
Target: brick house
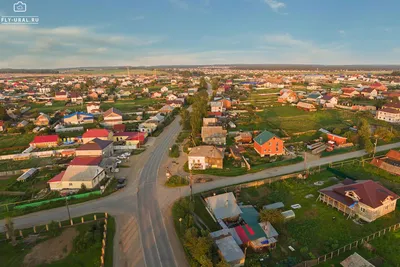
(61, 96)
(213, 135)
(363, 198)
(268, 144)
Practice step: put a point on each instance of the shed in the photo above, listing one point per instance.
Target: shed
(355, 260)
(289, 214)
(274, 206)
(230, 251)
(224, 206)
(26, 175)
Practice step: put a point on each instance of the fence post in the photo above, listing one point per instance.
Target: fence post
(20, 234)
(47, 227)
(71, 222)
(95, 217)
(105, 214)
(34, 229)
(82, 220)
(59, 224)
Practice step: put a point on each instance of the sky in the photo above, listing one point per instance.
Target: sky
(89, 33)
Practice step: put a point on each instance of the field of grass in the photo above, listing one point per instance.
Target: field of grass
(131, 105)
(7, 141)
(8, 165)
(57, 105)
(86, 249)
(292, 120)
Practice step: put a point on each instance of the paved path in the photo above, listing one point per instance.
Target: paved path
(145, 233)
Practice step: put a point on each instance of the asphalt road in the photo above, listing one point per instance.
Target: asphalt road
(145, 236)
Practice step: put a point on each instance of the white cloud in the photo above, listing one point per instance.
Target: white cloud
(275, 5)
(342, 32)
(180, 3)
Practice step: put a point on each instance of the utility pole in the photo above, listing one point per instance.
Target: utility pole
(66, 203)
(376, 142)
(191, 185)
(305, 162)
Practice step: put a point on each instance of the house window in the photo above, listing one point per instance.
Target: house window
(70, 184)
(362, 209)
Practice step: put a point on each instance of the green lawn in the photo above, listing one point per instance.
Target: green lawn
(292, 120)
(20, 140)
(8, 165)
(176, 181)
(132, 105)
(57, 105)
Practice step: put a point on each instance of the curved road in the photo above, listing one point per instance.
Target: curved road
(145, 234)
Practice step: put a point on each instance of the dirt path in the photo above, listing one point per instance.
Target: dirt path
(51, 250)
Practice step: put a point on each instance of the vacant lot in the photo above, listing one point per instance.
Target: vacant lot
(292, 120)
(131, 105)
(19, 140)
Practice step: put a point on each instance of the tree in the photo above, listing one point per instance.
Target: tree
(215, 83)
(272, 216)
(368, 145)
(83, 189)
(199, 247)
(10, 230)
(3, 113)
(185, 119)
(222, 263)
(337, 131)
(384, 134)
(203, 83)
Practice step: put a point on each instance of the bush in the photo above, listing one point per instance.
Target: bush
(174, 151)
(176, 181)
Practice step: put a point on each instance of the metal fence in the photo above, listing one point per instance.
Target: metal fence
(350, 246)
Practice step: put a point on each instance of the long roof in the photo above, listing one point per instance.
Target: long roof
(86, 161)
(96, 133)
(45, 139)
(95, 144)
(206, 151)
(112, 110)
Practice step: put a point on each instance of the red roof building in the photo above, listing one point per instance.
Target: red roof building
(45, 141)
(86, 161)
(339, 140)
(378, 86)
(91, 134)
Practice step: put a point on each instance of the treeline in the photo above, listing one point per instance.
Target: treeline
(194, 120)
(39, 71)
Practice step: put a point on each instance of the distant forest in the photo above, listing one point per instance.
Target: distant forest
(40, 71)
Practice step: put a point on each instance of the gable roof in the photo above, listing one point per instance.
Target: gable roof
(96, 133)
(206, 151)
(86, 161)
(393, 155)
(111, 111)
(371, 193)
(264, 137)
(223, 205)
(45, 139)
(95, 144)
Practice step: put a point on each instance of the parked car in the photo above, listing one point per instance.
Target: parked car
(121, 183)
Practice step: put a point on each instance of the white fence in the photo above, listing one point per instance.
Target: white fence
(125, 147)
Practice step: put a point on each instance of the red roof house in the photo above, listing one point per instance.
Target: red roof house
(378, 86)
(86, 161)
(91, 134)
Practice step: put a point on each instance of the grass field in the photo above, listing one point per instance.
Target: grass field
(292, 120)
(57, 105)
(86, 246)
(131, 105)
(7, 141)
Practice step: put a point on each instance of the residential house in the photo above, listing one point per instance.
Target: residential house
(226, 102)
(96, 147)
(61, 96)
(78, 118)
(166, 109)
(141, 137)
(112, 116)
(379, 87)
(314, 97)
(164, 89)
(369, 92)
(76, 98)
(328, 99)
(192, 91)
(213, 135)
(205, 157)
(91, 134)
(148, 126)
(42, 120)
(156, 95)
(306, 106)
(82, 171)
(217, 106)
(177, 103)
(171, 97)
(224, 207)
(44, 141)
(268, 144)
(158, 118)
(93, 107)
(390, 162)
(288, 96)
(349, 92)
(388, 114)
(210, 121)
(93, 95)
(363, 198)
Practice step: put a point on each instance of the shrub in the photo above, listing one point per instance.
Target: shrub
(174, 151)
(176, 181)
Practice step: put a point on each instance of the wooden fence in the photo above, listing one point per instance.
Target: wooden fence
(350, 246)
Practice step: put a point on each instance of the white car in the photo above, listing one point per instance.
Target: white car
(118, 162)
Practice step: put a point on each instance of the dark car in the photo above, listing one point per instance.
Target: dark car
(121, 183)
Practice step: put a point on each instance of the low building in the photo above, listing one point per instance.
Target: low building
(339, 140)
(166, 109)
(306, 106)
(217, 106)
(44, 141)
(42, 120)
(388, 114)
(61, 96)
(112, 116)
(364, 198)
(390, 162)
(93, 107)
(91, 134)
(81, 171)
(328, 99)
(288, 96)
(76, 98)
(205, 157)
(147, 127)
(213, 135)
(224, 207)
(355, 260)
(369, 92)
(244, 137)
(141, 137)
(95, 148)
(229, 250)
(268, 144)
(379, 87)
(78, 118)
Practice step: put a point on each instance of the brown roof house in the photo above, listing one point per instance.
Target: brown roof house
(389, 163)
(96, 147)
(42, 120)
(205, 157)
(112, 116)
(363, 198)
(213, 135)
